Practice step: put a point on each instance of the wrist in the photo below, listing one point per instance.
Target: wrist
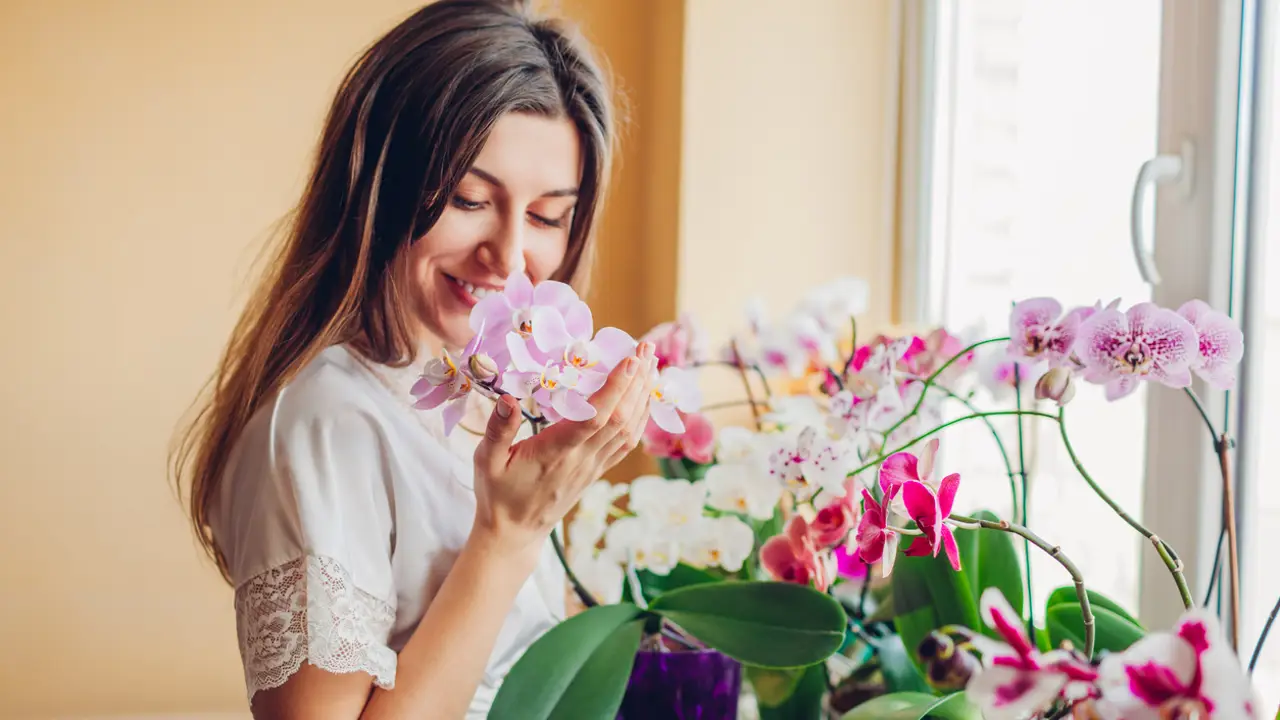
(505, 550)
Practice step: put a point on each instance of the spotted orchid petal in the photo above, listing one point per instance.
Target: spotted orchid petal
(1029, 324)
(1000, 616)
(1145, 343)
(1220, 344)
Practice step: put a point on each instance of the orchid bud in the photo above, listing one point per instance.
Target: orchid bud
(1056, 385)
(482, 367)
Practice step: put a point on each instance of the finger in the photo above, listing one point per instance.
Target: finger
(494, 448)
(630, 440)
(606, 399)
(619, 422)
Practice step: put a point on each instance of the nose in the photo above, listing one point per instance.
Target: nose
(503, 252)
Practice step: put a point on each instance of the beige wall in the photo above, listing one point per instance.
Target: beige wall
(147, 147)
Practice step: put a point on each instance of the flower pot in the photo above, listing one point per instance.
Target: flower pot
(702, 684)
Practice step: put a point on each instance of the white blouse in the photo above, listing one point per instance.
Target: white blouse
(341, 512)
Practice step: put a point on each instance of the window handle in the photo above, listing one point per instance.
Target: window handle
(1159, 170)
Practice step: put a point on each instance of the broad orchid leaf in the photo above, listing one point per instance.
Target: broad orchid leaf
(578, 669)
(768, 624)
(805, 700)
(990, 559)
(1112, 633)
(915, 706)
(773, 686)
(654, 585)
(1067, 594)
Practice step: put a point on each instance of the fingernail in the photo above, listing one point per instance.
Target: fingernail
(630, 368)
(504, 408)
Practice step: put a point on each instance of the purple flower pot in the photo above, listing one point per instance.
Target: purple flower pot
(702, 685)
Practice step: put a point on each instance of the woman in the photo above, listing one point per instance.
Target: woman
(382, 569)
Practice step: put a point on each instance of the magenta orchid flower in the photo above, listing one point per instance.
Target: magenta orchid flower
(677, 391)
(1220, 344)
(1145, 343)
(696, 443)
(792, 557)
(1017, 681)
(1039, 331)
(930, 510)
(1190, 672)
(877, 541)
(810, 462)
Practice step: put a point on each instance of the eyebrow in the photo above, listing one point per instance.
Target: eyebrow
(493, 180)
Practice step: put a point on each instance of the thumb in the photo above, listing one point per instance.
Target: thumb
(503, 425)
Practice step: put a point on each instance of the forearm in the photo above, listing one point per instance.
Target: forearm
(443, 662)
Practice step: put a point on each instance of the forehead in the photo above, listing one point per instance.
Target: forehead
(533, 154)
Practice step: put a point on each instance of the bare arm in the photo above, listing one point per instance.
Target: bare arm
(522, 491)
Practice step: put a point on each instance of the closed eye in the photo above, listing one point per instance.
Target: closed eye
(548, 222)
(464, 204)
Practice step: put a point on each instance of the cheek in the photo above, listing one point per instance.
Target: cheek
(455, 235)
(544, 256)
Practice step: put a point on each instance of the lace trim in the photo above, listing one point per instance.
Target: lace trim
(309, 609)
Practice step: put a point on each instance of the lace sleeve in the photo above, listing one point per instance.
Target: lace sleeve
(309, 609)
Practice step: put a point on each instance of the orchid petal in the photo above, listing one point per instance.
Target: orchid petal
(578, 321)
(519, 384)
(898, 468)
(590, 381)
(614, 345)
(554, 294)
(549, 333)
(947, 493)
(1170, 338)
(891, 540)
(1008, 693)
(572, 406)
(453, 413)
(1220, 343)
(927, 458)
(492, 311)
(433, 398)
(518, 290)
(421, 387)
(1001, 617)
(949, 545)
(1121, 387)
(666, 417)
(521, 358)
(922, 506)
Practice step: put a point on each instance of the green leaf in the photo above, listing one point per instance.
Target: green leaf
(900, 671)
(805, 702)
(695, 470)
(653, 585)
(672, 469)
(1042, 640)
(928, 594)
(772, 686)
(582, 663)
(915, 706)
(990, 559)
(1067, 594)
(1112, 632)
(768, 624)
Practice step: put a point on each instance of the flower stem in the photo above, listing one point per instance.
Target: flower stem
(729, 404)
(1266, 630)
(853, 348)
(1055, 552)
(1233, 557)
(1022, 473)
(746, 385)
(1167, 554)
(995, 413)
(930, 380)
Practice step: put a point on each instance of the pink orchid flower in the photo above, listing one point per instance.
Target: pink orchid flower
(1190, 672)
(1220, 346)
(445, 381)
(808, 463)
(1017, 681)
(696, 443)
(1039, 331)
(677, 391)
(1146, 343)
(560, 389)
(848, 565)
(877, 541)
(676, 343)
(835, 518)
(513, 309)
(792, 557)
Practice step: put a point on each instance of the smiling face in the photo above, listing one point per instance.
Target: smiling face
(512, 212)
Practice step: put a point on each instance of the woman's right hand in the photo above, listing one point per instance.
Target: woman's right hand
(524, 490)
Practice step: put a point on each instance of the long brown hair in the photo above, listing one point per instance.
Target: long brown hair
(408, 121)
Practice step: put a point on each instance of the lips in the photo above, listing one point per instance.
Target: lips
(477, 291)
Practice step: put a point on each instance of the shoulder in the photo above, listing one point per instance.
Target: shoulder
(312, 458)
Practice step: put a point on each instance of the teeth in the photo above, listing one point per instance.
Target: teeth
(477, 292)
